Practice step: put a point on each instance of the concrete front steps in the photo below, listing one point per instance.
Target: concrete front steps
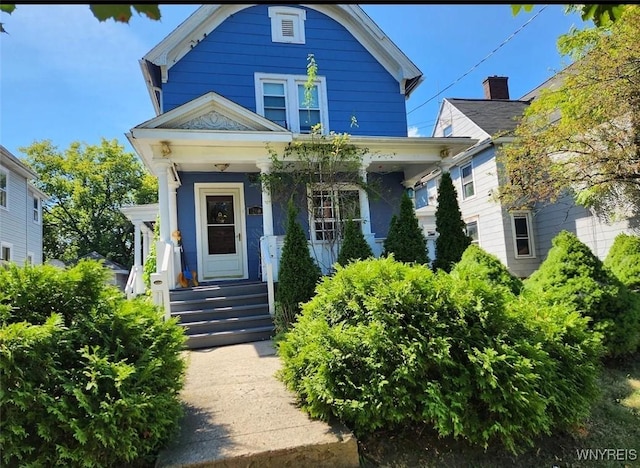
(223, 314)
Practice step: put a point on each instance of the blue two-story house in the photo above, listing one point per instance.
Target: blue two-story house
(228, 85)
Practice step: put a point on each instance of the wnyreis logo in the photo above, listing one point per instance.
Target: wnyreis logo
(607, 454)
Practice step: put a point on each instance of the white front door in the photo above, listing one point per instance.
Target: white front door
(220, 215)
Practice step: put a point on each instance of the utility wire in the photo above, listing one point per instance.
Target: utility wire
(481, 61)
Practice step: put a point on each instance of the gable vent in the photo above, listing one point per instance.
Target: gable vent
(287, 28)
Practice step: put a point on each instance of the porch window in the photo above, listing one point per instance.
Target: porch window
(522, 235)
(466, 175)
(4, 183)
(427, 194)
(282, 99)
(330, 209)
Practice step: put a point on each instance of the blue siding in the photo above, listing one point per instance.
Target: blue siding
(386, 202)
(225, 62)
(187, 215)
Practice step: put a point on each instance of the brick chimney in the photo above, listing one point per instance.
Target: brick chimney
(496, 87)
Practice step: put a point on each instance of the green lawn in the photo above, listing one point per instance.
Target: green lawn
(614, 424)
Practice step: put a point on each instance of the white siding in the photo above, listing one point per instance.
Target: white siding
(461, 125)
(566, 215)
(16, 222)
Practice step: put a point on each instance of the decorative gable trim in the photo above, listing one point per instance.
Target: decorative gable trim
(208, 17)
(212, 112)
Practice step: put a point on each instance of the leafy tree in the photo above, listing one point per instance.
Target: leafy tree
(582, 137)
(87, 186)
(600, 13)
(297, 274)
(405, 239)
(103, 12)
(452, 239)
(572, 275)
(354, 245)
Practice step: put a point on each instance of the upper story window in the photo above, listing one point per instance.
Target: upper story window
(287, 24)
(466, 176)
(284, 100)
(36, 210)
(4, 188)
(447, 131)
(330, 208)
(522, 234)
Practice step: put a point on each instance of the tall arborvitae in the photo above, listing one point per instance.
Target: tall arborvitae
(298, 272)
(354, 245)
(452, 239)
(406, 240)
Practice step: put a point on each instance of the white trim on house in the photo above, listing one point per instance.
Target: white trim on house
(208, 17)
(529, 224)
(291, 83)
(287, 24)
(5, 190)
(200, 190)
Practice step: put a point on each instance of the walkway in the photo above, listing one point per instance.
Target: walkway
(239, 415)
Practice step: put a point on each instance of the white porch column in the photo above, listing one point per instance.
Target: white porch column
(173, 205)
(267, 207)
(162, 174)
(146, 242)
(365, 212)
(137, 247)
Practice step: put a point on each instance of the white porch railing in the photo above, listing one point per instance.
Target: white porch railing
(161, 280)
(135, 282)
(267, 254)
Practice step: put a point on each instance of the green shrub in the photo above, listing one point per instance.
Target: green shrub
(405, 239)
(572, 275)
(477, 263)
(151, 262)
(354, 245)
(88, 378)
(385, 343)
(297, 275)
(452, 239)
(624, 260)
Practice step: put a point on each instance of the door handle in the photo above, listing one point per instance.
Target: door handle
(240, 237)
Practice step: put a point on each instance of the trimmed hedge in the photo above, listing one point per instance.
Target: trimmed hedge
(385, 343)
(624, 260)
(354, 245)
(572, 275)
(476, 262)
(88, 378)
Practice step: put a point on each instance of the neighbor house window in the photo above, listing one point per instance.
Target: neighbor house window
(4, 188)
(471, 228)
(5, 252)
(283, 99)
(522, 234)
(331, 208)
(36, 210)
(447, 131)
(287, 24)
(30, 257)
(466, 176)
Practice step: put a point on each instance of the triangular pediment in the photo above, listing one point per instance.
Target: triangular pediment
(211, 111)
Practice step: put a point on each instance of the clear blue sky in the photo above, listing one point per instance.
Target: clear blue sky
(67, 77)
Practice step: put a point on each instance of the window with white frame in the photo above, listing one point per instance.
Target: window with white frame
(4, 188)
(330, 208)
(471, 229)
(30, 258)
(284, 100)
(287, 24)
(447, 131)
(36, 210)
(427, 193)
(522, 234)
(466, 177)
(5, 252)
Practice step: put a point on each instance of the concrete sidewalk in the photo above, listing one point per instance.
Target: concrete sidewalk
(239, 415)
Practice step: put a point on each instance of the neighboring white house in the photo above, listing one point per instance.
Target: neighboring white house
(20, 212)
(520, 239)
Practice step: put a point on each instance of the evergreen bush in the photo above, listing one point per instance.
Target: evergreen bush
(405, 239)
(385, 344)
(624, 260)
(88, 378)
(354, 245)
(452, 239)
(572, 275)
(298, 273)
(477, 263)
